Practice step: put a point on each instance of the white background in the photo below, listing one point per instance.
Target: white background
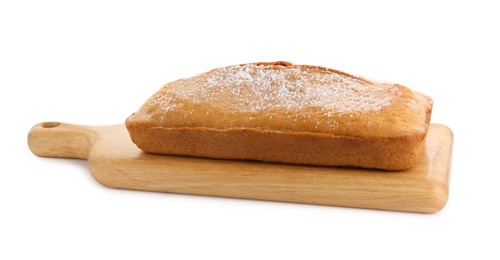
(96, 62)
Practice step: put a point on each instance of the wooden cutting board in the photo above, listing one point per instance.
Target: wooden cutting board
(116, 162)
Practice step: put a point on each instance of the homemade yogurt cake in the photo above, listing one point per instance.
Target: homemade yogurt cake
(280, 112)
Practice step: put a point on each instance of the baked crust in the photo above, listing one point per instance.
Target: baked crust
(287, 115)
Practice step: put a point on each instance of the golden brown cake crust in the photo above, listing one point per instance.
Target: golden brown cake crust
(279, 112)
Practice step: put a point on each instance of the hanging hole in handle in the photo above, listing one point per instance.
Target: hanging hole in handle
(50, 124)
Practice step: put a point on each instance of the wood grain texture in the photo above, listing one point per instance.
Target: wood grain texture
(116, 162)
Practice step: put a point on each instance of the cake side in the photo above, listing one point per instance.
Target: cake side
(396, 153)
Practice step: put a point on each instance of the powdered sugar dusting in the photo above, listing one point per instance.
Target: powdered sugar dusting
(254, 87)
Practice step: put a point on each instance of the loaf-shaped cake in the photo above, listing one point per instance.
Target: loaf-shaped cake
(281, 112)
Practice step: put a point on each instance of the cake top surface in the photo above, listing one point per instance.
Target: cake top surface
(280, 96)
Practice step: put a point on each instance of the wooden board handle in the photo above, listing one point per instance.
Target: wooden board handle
(54, 139)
